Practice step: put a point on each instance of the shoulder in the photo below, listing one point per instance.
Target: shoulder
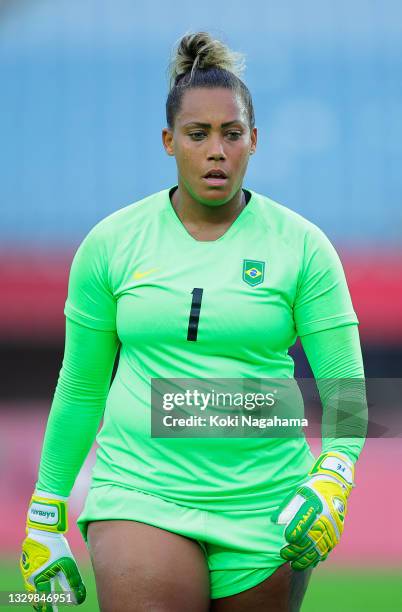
(286, 223)
(129, 218)
(109, 238)
(279, 217)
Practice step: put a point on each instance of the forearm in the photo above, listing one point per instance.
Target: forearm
(336, 361)
(77, 407)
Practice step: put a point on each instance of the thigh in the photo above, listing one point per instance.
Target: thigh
(283, 591)
(140, 568)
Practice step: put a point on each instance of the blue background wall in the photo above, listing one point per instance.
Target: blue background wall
(82, 92)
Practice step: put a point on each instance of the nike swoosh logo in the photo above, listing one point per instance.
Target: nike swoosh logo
(139, 275)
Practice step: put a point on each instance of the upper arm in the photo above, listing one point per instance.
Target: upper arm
(90, 300)
(322, 299)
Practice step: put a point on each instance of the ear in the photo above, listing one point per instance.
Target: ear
(168, 140)
(253, 138)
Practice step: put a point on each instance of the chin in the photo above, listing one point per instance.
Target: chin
(215, 197)
(209, 196)
(213, 203)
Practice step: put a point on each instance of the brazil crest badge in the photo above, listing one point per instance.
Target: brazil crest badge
(253, 271)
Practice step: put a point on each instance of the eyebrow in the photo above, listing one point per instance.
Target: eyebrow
(208, 125)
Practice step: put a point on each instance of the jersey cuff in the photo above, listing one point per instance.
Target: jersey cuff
(88, 321)
(303, 329)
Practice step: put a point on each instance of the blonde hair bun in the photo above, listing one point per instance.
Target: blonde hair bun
(201, 51)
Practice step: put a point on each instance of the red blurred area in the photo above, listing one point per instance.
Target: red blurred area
(22, 427)
(34, 288)
(375, 502)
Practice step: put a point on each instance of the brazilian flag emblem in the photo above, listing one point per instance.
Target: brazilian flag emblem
(253, 271)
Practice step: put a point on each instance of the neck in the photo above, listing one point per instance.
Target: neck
(192, 212)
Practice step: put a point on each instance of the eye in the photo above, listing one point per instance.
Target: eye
(234, 135)
(197, 135)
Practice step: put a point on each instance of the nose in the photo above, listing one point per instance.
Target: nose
(216, 150)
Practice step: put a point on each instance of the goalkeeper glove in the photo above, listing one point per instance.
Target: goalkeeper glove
(46, 554)
(314, 514)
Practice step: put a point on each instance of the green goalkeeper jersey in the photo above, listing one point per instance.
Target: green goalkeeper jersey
(271, 277)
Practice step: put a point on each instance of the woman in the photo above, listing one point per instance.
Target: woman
(202, 280)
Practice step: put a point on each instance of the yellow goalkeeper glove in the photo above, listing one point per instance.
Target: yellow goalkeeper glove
(314, 514)
(46, 554)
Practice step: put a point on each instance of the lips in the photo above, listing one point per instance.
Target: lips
(216, 173)
(215, 177)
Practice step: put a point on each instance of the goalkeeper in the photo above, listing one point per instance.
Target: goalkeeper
(205, 278)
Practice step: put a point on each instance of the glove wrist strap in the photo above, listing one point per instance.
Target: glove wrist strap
(47, 514)
(335, 465)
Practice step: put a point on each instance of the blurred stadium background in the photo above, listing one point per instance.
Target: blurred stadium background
(82, 92)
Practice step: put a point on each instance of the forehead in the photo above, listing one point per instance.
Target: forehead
(217, 105)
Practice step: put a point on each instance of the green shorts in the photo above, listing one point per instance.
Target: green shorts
(241, 546)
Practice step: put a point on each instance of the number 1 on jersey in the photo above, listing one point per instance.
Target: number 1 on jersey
(194, 317)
